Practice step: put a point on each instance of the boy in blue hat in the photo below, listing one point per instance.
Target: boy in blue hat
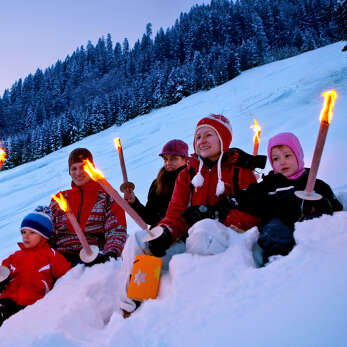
(28, 274)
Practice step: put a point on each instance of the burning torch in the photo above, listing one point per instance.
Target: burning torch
(96, 175)
(88, 253)
(126, 184)
(256, 138)
(325, 119)
(2, 156)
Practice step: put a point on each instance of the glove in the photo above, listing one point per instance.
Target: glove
(159, 245)
(221, 209)
(4, 283)
(218, 211)
(195, 213)
(102, 258)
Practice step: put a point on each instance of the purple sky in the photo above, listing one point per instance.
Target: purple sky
(39, 32)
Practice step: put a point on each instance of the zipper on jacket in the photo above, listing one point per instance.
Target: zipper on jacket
(80, 207)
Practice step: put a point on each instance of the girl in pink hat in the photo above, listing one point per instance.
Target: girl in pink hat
(174, 154)
(274, 201)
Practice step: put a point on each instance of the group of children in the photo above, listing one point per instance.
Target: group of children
(194, 199)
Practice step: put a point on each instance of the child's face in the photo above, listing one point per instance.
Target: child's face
(284, 160)
(30, 238)
(78, 175)
(173, 162)
(207, 143)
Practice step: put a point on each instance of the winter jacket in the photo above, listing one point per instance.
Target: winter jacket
(274, 198)
(157, 204)
(33, 272)
(184, 195)
(100, 218)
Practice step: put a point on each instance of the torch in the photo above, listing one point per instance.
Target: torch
(256, 138)
(2, 156)
(88, 253)
(126, 184)
(325, 119)
(96, 175)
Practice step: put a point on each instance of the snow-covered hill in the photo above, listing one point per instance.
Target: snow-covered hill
(221, 300)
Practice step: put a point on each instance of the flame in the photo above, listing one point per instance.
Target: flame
(329, 102)
(61, 202)
(2, 155)
(117, 143)
(257, 130)
(92, 172)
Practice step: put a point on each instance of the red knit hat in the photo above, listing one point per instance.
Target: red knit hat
(221, 126)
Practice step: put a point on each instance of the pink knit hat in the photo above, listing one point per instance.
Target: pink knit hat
(222, 127)
(290, 140)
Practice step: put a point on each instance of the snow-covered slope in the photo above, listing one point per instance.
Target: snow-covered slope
(298, 300)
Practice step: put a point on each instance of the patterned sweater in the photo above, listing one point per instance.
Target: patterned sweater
(101, 219)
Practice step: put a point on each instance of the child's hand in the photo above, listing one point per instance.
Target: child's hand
(129, 195)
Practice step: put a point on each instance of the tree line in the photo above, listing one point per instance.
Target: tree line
(100, 85)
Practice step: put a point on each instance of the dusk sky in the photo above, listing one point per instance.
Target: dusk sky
(35, 34)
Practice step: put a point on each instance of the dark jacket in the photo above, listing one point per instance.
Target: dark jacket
(157, 204)
(274, 197)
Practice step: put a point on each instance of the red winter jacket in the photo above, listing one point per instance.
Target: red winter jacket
(185, 194)
(33, 272)
(101, 219)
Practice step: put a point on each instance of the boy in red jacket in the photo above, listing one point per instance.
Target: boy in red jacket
(31, 271)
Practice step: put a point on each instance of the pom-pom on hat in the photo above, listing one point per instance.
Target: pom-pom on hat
(222, 127)
(78, 155)
(175, 147)
(290, 140)
(39, 221)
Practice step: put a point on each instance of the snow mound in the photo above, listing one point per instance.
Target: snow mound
(205, 300)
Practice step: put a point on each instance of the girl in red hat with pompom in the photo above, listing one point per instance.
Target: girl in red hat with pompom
(202, 208)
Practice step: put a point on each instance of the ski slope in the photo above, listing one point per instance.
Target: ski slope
(222, 300)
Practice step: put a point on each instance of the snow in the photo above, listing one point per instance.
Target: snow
(297, 300)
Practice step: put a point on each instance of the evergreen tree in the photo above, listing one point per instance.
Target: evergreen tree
(96, 87)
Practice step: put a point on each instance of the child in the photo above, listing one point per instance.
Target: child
(201, 206)
(34, 268)
(174, 154)
(101, 219)
(274, 201)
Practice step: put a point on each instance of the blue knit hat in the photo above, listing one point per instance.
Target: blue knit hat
(39, 221)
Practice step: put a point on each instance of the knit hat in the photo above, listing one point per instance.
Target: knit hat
(222, 127)
(78, 155)
(290, 140)
(39, 221)
(175, 147)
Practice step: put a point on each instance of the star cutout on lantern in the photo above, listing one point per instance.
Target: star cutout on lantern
(157, 272)
(139, 277)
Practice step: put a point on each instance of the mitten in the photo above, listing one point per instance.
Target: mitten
(102, 258)
(195, 213)
(4, 283)
(159, 245)
(221, 209)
